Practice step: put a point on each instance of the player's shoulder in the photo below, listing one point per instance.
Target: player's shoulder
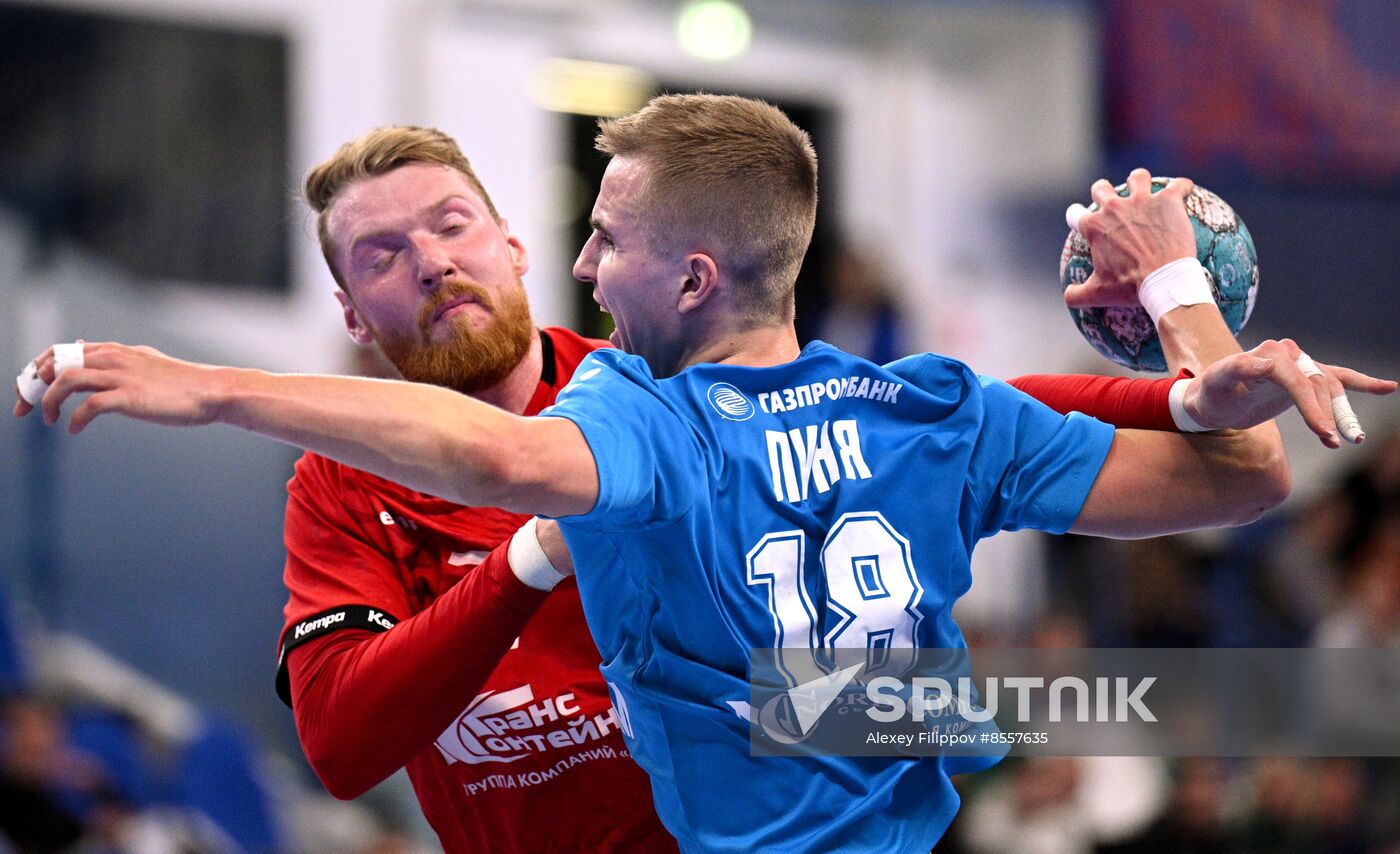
(932, 368)
(940, 376)
(312, 468)
(612, 364)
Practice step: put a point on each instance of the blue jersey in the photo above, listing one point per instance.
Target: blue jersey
(826, 502)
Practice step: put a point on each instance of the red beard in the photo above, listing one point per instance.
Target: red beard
(471, 361)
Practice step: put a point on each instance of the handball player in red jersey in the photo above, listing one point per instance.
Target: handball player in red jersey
(488, 688)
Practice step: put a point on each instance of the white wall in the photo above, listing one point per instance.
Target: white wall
(942, 110)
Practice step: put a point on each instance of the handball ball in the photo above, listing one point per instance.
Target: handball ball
(1224, 248)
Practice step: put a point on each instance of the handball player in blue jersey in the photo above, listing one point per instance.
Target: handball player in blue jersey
(722, 489)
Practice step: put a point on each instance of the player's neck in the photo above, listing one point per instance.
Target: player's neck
(514, 392)
(758, 347)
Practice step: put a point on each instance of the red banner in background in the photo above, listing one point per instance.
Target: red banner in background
(1278, 92)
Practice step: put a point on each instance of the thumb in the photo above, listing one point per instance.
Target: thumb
(1082, 295)
(1242, 367)
(1095, 292)
(1257, 367)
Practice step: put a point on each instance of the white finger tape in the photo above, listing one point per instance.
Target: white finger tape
(67, 356)
(31, 387)
(1309, 367)
(1347, 423)
(1073, 214)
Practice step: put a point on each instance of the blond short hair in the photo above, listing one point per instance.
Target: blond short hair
(377, 152)
(732, 170)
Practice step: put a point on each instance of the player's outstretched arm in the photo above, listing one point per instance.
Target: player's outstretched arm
(1156, 483)
(423, 437)
(1232, 391)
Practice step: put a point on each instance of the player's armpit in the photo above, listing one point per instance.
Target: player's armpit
(1155, 483)
(549, 470)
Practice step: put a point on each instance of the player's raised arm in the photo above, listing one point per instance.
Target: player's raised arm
(421, 436)
(1155, 483)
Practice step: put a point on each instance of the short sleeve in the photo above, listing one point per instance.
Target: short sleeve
(1032, 467)
(337, 553)
(647, 456)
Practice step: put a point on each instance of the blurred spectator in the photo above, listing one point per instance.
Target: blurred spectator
(1368, 614)
(1371, 491)
(1031, 808)
(45, 783)
(860, 315)
(1167, 607)
(1337, 801)
(1194, 822)
(1328, 573)
(1276, 823)
(1297, 575)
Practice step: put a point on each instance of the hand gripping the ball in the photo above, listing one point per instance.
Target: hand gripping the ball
(1116, 309)
(1250, 388)
(1130, 236)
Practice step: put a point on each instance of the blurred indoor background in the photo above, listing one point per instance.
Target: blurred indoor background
(150, 156)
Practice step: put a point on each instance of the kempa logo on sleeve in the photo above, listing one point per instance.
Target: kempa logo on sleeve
(354, 616)
(325, 622)
(729, 402)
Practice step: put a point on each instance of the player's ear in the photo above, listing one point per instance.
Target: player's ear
(701, 282)
(359, 332)
(519, 257)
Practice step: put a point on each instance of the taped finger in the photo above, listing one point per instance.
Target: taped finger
(66, 356)
(1308, 366)
(31, 386)
(1347, 423)
(1073, 214)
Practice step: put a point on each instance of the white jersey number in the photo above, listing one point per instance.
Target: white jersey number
(870, 580)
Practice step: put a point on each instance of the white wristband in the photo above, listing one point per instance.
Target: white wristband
(528, 560)
(1176, 401)
(1180, 282)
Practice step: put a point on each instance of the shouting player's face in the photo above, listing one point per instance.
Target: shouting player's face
(637, 274)
(432, 277)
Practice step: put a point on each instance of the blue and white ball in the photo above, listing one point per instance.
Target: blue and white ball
(1224, 248)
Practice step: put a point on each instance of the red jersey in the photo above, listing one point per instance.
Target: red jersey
(511, 742)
